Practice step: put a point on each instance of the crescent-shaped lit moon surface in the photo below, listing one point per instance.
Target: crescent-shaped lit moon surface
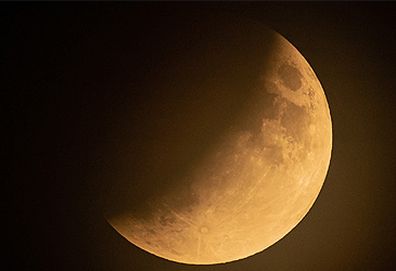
(254, 186)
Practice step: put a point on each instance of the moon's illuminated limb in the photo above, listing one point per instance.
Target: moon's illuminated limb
(256, 185)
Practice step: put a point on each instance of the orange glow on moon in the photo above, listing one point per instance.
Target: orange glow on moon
(254, 187)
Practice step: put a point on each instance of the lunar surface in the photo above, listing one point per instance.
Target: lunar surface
(256, 183)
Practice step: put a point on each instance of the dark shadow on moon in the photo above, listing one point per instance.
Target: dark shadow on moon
(290, 77)
(203, 85)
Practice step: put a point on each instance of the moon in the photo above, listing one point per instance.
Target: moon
(256, 183)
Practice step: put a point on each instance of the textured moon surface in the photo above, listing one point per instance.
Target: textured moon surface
(255, 185)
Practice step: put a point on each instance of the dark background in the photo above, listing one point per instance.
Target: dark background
(74, 76)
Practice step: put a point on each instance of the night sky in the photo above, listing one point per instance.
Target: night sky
(79, 85)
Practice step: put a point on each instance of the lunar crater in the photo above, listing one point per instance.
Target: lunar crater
(203, 229)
